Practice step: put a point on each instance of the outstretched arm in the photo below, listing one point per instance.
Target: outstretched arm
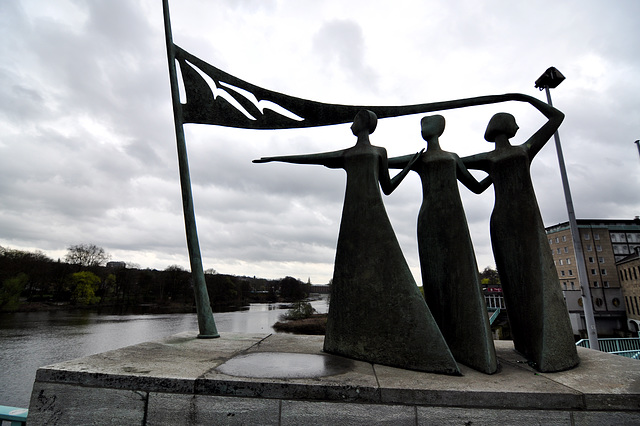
(476, 162)
(332, 159)
(542, 136)
(387, 184)
(400, 162)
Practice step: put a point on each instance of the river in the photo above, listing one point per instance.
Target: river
(32, 340)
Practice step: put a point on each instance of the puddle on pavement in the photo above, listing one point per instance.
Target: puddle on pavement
(283, 365)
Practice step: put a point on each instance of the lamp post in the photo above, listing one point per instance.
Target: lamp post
(550, 80)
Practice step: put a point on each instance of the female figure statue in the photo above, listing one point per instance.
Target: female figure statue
(377, 313)
(450, 276)
(537, 313)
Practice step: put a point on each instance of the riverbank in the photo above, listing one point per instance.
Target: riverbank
(142, 308)
(172, 308)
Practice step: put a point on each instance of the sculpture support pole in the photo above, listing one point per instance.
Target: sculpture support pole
(583, 279)
(206, 323)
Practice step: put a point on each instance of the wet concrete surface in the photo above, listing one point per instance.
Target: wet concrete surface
(283, 365)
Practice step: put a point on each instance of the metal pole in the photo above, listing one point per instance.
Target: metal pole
(206, 323)
(583, 278)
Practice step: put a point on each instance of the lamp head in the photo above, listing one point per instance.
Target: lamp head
(551, 79)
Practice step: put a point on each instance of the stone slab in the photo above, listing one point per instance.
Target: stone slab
(63, 404)
(449, 416)
(177, 409)
(183, 380)
(345, 414)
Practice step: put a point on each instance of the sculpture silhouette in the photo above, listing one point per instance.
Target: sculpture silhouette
(537, 314)
(377, 313)
(450, 276)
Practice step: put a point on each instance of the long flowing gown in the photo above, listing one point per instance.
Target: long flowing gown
(449, 269)
(377, 313)
(537, 313)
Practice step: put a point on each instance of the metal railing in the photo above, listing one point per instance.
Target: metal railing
(494, 314)
(17, 416)
(628, 347)
(494, 301)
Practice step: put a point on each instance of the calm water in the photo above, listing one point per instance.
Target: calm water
(32, 340)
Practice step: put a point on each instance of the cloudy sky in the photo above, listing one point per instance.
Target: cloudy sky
(87, 146)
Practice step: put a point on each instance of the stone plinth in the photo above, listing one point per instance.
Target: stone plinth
(286, 379)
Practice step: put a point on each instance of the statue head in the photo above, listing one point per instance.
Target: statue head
(501, 123)
(364, 120)
(432, 125)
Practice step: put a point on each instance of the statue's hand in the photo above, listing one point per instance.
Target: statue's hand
(415, 158)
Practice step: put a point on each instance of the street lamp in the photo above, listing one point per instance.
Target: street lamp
(550, 80)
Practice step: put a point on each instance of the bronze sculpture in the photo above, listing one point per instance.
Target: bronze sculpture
(537, 314)
(377, 313)
(447, 261)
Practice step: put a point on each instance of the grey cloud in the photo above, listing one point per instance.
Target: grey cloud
(342, 43)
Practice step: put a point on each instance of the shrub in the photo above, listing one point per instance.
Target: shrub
(300, 310)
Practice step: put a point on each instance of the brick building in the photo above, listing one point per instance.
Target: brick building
(604, 242)
(629, 275)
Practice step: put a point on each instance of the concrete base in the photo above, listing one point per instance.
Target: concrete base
(189, 381)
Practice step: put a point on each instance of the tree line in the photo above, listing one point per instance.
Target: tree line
(33, 281)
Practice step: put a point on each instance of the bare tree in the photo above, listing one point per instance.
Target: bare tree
(86, 255)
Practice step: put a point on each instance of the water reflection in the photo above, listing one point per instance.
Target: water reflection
(31, 340)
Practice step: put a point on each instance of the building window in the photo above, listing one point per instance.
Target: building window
(560, 262)
(593, 272)
(591, 260)
(605, 284)
(558, 250)
(573, 287)
(550, 241)
(566, 249)
(585, 237)
(596, 236)
(601, 259)
(635, 276)
(571, 272)
(557, 240)
(598, 247)
(589, 247)
(562, 273)
(564, 238)
(603, 271)
(595, 284)
(568, 261)
(599, 302)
